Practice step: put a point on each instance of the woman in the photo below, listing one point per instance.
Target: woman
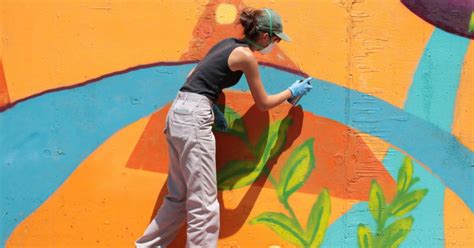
(191, 181)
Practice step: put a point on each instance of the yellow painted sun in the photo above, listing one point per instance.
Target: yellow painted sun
(225, 13)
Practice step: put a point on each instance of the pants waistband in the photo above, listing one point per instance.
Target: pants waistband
(182, 95)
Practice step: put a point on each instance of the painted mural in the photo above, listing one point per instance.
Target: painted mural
(378, 154)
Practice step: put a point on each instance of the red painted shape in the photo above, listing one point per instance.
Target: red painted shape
(4, 96)
(208, 32)
(344, 163)
(151, 150)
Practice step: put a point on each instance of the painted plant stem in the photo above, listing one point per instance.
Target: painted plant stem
(403, 203)
(240, 173)
(295, 172)
(293, 175)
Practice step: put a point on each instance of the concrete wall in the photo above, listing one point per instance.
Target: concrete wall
(380, 153)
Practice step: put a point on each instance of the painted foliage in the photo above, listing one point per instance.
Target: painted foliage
(378, 154)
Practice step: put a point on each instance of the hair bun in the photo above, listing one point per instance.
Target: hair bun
(248, 19)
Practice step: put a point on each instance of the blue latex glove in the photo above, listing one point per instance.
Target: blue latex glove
(300, 87)
(220, 123)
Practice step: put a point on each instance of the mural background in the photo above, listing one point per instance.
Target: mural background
(85, 87)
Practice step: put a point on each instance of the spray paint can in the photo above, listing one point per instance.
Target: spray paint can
(294, 100)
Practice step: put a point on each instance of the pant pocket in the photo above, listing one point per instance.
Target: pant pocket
(183, 113)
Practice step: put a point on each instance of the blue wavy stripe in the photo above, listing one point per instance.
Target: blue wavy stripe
(47, 137)
(432, 97)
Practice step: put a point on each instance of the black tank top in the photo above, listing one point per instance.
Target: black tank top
(212, 73)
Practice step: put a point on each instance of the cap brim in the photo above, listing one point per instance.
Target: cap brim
(283, 36)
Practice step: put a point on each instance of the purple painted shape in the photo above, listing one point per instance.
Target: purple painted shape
(452, 16)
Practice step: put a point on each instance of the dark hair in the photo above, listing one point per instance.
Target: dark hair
(248, 19)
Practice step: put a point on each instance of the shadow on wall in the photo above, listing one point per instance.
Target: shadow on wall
(257, 163)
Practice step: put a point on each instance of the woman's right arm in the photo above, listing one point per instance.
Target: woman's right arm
(243, 59)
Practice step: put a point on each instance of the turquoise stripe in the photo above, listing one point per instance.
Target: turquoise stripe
(45, 138)
(432, 98)
(48, 136)
(432, 95)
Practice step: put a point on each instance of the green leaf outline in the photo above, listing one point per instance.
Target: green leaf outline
(415, 180)
(268, 146)
(296, 170)
(318, 220)
(237, 174)
(247, 172)
(234, 121)
(405, 175)
(396, 232)
(407, 202)
(281, 138)
(377, 202)
(471, 23)
(365, 238)
(283, 225)
(403, 203)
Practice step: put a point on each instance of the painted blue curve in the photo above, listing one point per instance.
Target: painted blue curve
(47, 137)
(432, 97)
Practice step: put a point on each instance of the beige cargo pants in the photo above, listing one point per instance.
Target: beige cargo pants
(192, 184)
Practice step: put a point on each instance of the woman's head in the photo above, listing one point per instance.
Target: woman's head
(262, 27)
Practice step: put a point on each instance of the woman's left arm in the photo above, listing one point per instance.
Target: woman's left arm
(241, 59)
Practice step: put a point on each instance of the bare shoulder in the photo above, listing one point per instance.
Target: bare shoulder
(240, 58)
(243, 52)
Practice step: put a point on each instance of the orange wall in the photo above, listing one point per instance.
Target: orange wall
(372, 47)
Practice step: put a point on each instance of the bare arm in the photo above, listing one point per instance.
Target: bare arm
(243, 59)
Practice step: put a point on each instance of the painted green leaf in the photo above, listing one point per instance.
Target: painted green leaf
(237, 174)
(297, 169)
(415, 180)
(281, 140)
(364, 237)
(318, 220)
(376, 201)
(396, 232)
(406, 203)
(234, 120)
(471, 22)
(285, 227)
(405, 175)
(264, 143)
(273, 139)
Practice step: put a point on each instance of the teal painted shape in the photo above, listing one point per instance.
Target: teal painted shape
(343, 232)
(432, 97)
(49, 135)
(428, 228)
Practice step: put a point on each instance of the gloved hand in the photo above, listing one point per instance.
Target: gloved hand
(220, 123)
(300, 87)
